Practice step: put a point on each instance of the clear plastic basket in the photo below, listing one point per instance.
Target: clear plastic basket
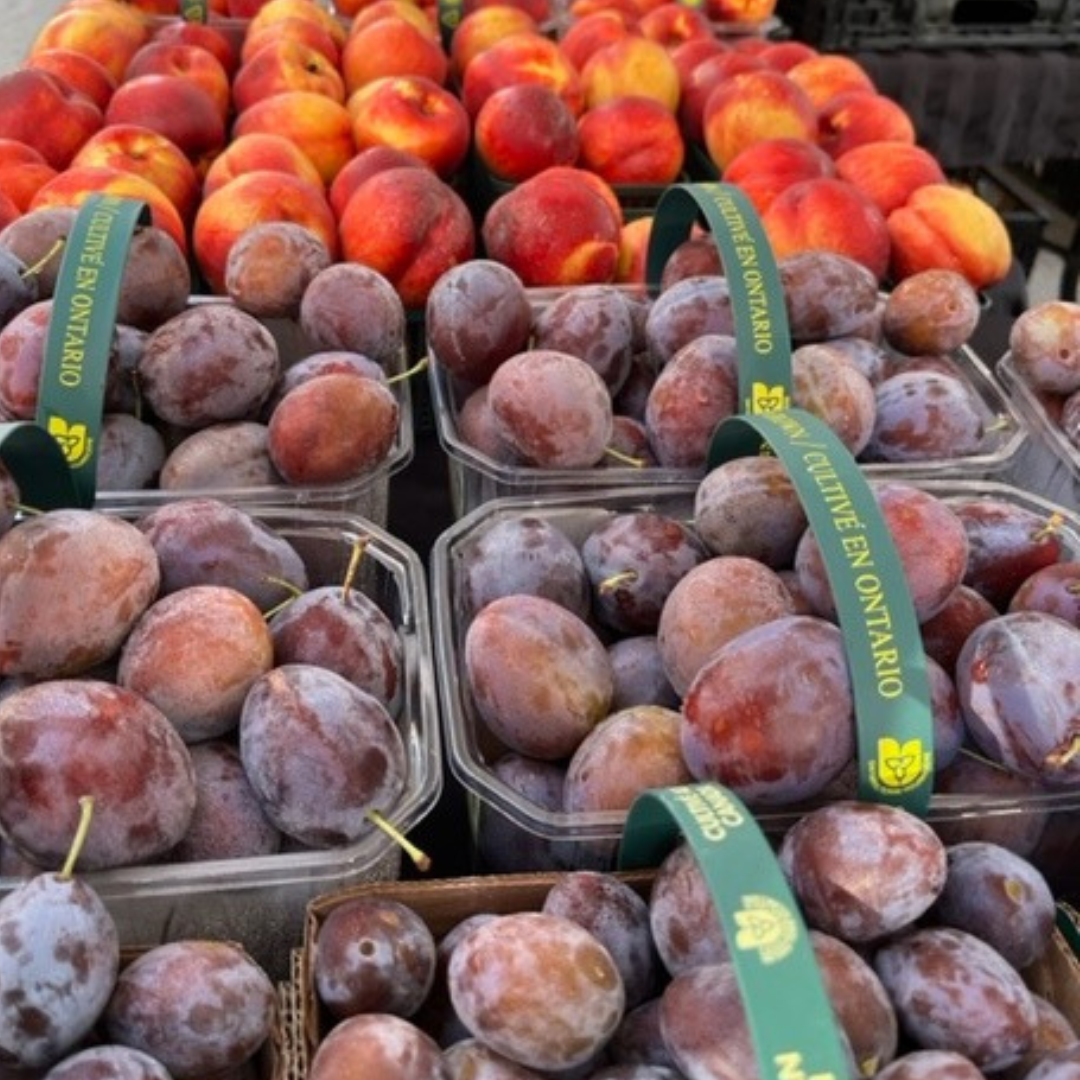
(259, 902)
(545, 839)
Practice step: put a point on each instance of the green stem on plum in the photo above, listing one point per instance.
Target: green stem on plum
(1051, 528)
(22, 508)
(626, 459)
(36, 268)
(353, 568)
(294, 592)
(408, 373)
(420, 860)
(610, 584)
(1001, 423)
(86, 812)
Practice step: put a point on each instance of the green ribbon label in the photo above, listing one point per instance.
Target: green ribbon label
(450, 13)
(38, 467)
(788, 1011)
(762, 335)
(881, 633)
(195, 10)
(81, 331)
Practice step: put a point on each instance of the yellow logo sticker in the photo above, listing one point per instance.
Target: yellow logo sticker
(74, 440)
(766, 926)
(768, 399)
(899, 766)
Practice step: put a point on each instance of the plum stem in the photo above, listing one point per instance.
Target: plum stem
(968, 752)
(1051, 528)
(626, 459)
(408, 373)
(36, 268)
(420, 860)
(624, 577)
(1065, 755)
(1001, 423)
(294, 592)
(86, 812)
(353, 568)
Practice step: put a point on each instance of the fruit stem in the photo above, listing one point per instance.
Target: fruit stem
(408, 373)
(294, 592)
(1001, 423)
(86, 812)
(1062, 757)
(420, 860)
(610, 584)
(983, 760)
(626, 459)
(1051, 528)
(37, 267)
(353, 568)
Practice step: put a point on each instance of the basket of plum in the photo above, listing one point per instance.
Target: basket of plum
(932, 960)
(544, 391)
(591, 648)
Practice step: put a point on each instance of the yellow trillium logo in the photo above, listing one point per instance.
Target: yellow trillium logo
(768, 399)
(74, 440)
(765, 926)
(900, 766)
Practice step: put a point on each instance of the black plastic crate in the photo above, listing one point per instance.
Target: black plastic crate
(843, 25)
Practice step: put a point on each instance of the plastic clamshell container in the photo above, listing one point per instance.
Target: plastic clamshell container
(476, 477)
(545, 839)
(259, 902)
(365, 495)
(1051, 465)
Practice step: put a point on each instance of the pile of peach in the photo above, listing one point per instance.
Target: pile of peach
(356, 121)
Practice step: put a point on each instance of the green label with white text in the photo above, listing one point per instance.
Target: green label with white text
(790, 1017)
(762, 334)
(874, 608)
(81, 328)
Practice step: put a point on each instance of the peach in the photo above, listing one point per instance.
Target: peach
(482, 28)
(539, 10)
(173, 106)
(247, 200)
(81, 72)
(631, 140)
(22, 171)
(111, 38)
(411, 227)
(591, 180)
(855, 117)
(522, 130)
(285, 65)
(584, 36)
(766, 168)
(672, 23)
(206, 35)
(756, 105)
(828, 74)
(391, 46)
(889, 172)
(412, 113)
(189, 62)
(831, 215)
(584, 249)
(305, 31)
(271, 11)
(634, 251)
(943, 226)
(702, 81)
(579, 9)
(135, 149)
(784, 55)
(418, 16)
(690, 53)
(72, 187)
(740, 11)
(43, 111)
(9, 212)
(259, 151)
(364, 165)
(319, 126)
(631, 65)
(518, 58)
